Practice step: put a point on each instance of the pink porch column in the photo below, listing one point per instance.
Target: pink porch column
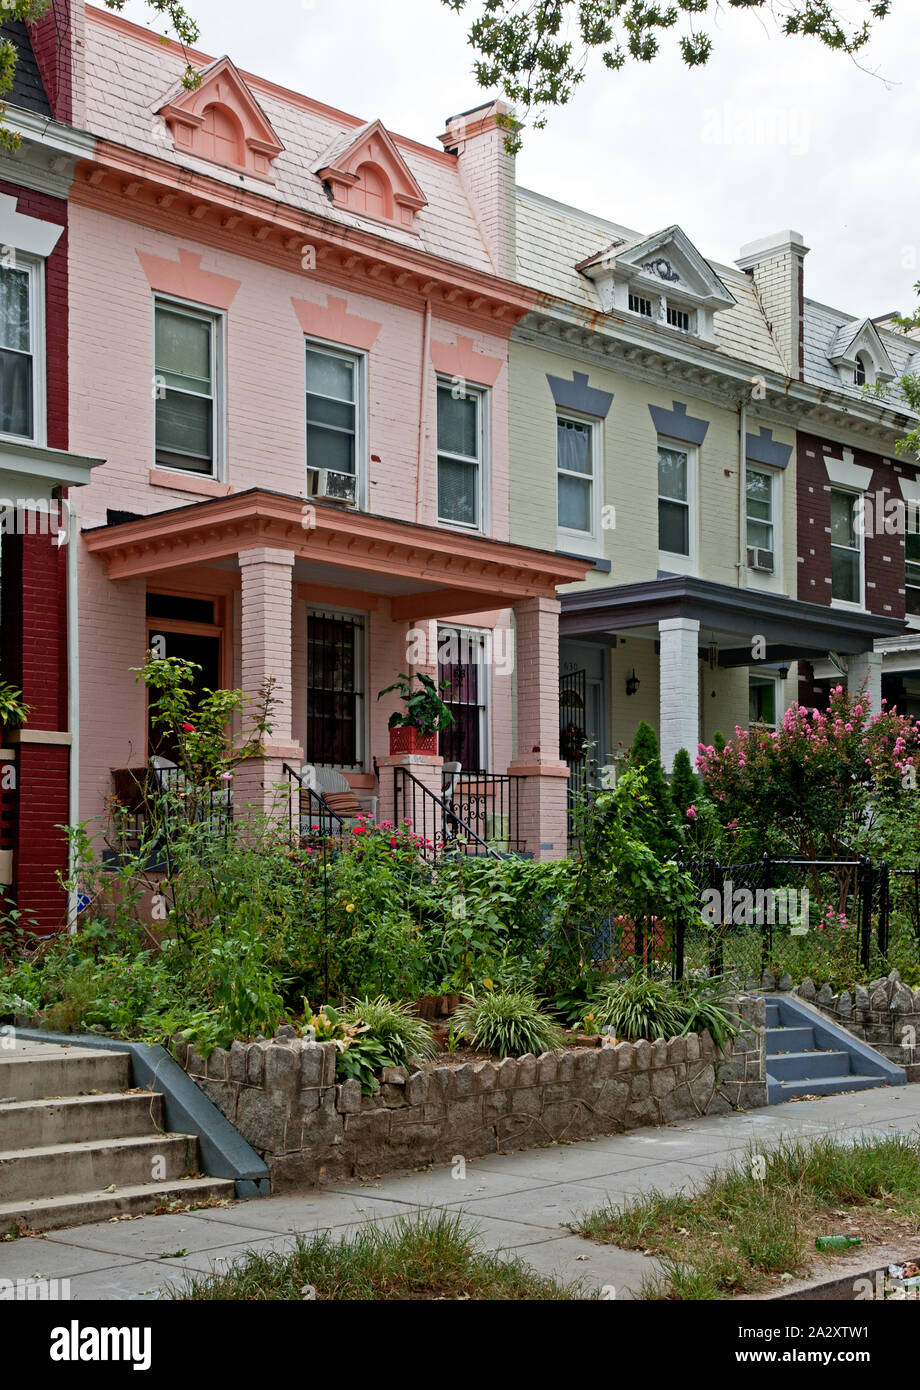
(266, 629)
(542, 806)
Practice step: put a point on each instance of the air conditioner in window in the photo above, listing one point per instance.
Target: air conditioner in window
(332, 486)
(761, 560)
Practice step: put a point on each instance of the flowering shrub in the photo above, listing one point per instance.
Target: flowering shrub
(814, 787)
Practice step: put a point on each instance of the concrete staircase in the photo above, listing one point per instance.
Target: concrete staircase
(808, 1056)
(78, 1144)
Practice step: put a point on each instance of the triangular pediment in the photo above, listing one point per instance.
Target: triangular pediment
(366, 173)
(861, 336)
(667, 262)
(221, 121)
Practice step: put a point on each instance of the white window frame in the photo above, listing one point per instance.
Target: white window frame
(669, 559)
(359, 358)
(648, 299)
(766, 678)
(594, 425)
(861, 550)
(483, 396)
(362, 661)
(478, 637)
(35, 266)
(690, 329)
(218, 319)
(775, 579)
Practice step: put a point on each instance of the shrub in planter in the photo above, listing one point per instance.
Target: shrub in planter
(509, 1023)
(638, 1007)
(415, 729)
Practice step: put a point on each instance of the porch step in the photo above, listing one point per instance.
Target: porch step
(38, 1124)
(810, 1063)
(78, 1143)
(808, 1056)
(81, 1208)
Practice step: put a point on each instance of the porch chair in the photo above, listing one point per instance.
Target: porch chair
(338, 795)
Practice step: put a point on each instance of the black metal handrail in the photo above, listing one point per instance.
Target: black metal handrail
(486, 802)
(438, 828)
(323, 822)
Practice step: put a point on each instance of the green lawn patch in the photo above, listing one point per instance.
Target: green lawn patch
(746, 1226)
(427, 1257)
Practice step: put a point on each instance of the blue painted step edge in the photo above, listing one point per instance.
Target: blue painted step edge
(864, 1060)
(224, 1151)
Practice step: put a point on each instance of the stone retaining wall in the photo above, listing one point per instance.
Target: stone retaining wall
(283, 1098)
(886, 1015)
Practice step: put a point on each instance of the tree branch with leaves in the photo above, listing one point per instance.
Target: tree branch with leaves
(536, 51)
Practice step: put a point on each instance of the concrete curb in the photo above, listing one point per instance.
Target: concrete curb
(224, 1151)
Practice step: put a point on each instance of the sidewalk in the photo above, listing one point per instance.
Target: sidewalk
(519, 1202)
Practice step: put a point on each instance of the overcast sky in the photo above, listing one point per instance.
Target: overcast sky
(771, 133)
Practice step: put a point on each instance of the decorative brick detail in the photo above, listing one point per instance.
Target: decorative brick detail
(282, 1097)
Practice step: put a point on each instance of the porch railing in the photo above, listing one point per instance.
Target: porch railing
(149, 800)
(439, 827)
(487, 803)
(309, 818)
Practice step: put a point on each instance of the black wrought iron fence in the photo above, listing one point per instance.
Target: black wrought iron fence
(744, 911)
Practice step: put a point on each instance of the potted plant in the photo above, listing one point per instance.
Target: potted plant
(415, 729)
(13, 711)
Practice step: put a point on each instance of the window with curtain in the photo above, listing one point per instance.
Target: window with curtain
(460, 445)
(575, 475)
(332, 410)
(17, 355)
(673, 499)
(846, 547)
(186, 405)
(760, 518)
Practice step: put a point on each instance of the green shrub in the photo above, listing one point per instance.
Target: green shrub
(685, 785)
(638, 1007)
(401, 1033)
(509, 1023)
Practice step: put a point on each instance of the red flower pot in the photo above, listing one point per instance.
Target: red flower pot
(405, 739)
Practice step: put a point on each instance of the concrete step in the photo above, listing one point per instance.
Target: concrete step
(35, 1124)
(59, 1169)
(790, 1040)
(73, 1071)
(79, 1208)
(773, 1015)
(799, 1066)
(823, 1086)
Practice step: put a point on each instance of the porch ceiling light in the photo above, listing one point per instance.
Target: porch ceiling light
(632, 683)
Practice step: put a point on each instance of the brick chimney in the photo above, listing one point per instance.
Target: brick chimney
(487, 174)
(59, 44)
(776, 265)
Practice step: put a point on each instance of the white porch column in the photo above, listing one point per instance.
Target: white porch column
(266, 633)
(679, 691)
(864, 671)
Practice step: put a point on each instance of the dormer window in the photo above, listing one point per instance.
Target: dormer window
(221, 122)
(861, 370)
(860, 356)
(365, 173)
(663, 278)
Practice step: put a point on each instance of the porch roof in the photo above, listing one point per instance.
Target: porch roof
(791, 628)
(454, 572)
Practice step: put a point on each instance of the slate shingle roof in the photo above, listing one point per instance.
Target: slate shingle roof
(826, 328)
(129, 79)
(552, 239)
(27, 90)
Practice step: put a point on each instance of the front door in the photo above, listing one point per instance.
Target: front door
(196, 643)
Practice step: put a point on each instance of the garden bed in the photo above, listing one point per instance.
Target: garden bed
(283, 1098)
